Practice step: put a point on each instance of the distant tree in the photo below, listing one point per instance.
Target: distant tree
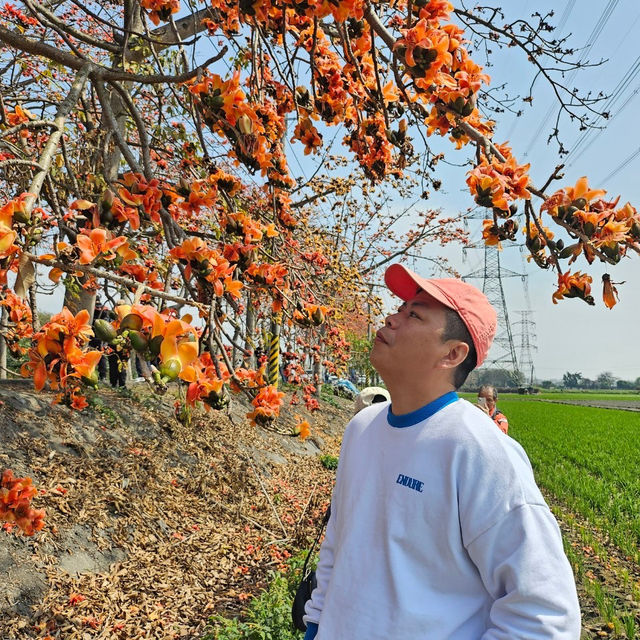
(496, 377)
(572, 380)
(546, 384)
(360, 350)
(626, 384)
(605, 380)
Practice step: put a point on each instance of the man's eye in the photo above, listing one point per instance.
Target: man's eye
(413, 314)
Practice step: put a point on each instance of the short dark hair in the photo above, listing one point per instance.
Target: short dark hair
(456, 329)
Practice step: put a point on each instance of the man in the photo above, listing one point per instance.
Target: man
(487, 398)
(437, 529)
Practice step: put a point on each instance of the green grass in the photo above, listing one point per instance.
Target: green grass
(268, 616)
(588, 459)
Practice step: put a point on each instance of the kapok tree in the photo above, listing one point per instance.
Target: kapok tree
(146, 158)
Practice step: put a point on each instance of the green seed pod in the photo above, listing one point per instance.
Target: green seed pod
(170, 369)
(138, 340)
(534, 244)
(567, 251)
(611, 252)
(21, 216)
(92, 380)
(218, 400)
(579, 203)
(317, 316)
(131, 321)
(104, 330)
(154, 345)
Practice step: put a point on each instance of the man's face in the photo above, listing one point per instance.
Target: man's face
(410, 343)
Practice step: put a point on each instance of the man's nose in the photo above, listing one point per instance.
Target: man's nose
(390, 321)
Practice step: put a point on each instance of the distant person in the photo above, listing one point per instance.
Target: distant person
(100, 313)
(437, 528)
(369, 396)
(487, 398)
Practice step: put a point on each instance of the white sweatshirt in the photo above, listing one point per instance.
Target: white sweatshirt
(438, 531)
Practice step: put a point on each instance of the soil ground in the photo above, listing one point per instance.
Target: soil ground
(624, 405)
(153, 524)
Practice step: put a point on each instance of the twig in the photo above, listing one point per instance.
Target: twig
(268, 497)
(306, 506)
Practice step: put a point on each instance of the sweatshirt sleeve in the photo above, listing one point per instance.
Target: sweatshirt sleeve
(523, 566)
(314, 606)
(312, 631)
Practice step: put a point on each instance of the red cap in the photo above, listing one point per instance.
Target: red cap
(471, 304)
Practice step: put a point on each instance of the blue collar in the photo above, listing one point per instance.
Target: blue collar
(409, 419)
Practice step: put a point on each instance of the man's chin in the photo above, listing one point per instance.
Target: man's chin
(375, 357)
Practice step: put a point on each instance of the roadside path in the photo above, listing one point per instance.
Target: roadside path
(622, 405)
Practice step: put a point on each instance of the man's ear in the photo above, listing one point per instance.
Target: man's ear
(457, 353)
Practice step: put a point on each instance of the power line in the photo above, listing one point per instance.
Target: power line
(597, 133)
(621, 166)
(591, 40)
(565, 15)
(563, 20)
(629, 76)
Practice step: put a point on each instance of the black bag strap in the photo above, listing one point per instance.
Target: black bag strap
(323, 524)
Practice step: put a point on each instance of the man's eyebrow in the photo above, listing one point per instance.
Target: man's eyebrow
(413, 304)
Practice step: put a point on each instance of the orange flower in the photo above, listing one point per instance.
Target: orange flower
(302, 429)
(490, 233)
(579, 196)
(96, 244)
(58, 356)
(205, 384)
(496, 184)
(612, 233)
(180, 343)
(609, 291)
(123, 213)
(160, 9)
(267, 405)
(573, 285)
(19, 116)
(7, 234)
(15, 503)
(426, 48)
(308, 135)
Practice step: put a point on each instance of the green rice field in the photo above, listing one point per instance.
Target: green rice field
(586, 460)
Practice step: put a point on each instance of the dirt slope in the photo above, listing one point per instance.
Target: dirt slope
(151, 524)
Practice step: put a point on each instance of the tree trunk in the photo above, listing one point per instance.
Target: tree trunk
(317, 364)
(3, 344)
(33, 303)
(249, 342)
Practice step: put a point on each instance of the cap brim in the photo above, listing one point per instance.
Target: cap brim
(405, 284)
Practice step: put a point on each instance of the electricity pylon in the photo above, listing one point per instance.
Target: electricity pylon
(503, 352)
(527, 328)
